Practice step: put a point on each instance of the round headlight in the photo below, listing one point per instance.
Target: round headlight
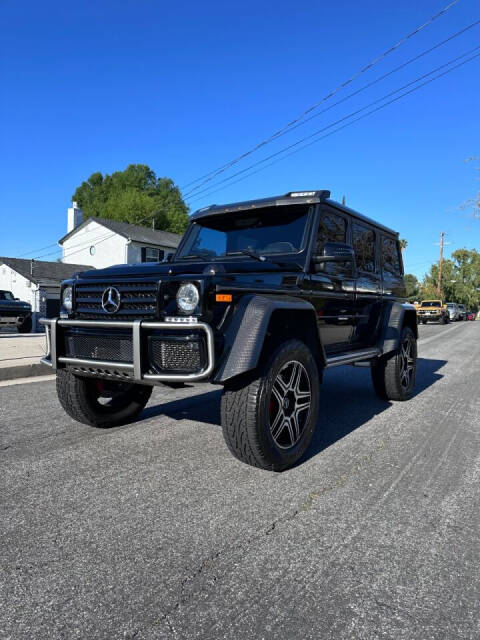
(67, 298)
(187, 297)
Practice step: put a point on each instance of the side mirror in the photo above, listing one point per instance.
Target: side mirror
(16, 298)
(169, 257)
(335, 252)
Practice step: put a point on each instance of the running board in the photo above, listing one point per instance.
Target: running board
(353, 356)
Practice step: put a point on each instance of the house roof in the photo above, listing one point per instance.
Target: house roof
(45, 273)
(134, 232)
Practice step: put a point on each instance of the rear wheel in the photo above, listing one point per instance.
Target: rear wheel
(394, 375)
(269, 417)
(100, 403)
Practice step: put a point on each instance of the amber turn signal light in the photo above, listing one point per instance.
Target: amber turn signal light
(223, 297)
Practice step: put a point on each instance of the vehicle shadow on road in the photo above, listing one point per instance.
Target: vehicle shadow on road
(204, 407)
(347, 401)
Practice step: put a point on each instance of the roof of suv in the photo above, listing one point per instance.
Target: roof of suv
(292, 197)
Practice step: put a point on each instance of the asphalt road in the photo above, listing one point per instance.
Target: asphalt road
(153, 530)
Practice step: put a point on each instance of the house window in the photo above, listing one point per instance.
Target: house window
(152, 255)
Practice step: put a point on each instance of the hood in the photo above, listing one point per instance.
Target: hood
(162, 269)
(15, 304)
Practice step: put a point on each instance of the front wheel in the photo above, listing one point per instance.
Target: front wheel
(269, 416)
(394, 375)
(100, 403)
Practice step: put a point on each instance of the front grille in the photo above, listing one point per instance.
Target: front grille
(116, 348)
(186, 355)
(137, 300)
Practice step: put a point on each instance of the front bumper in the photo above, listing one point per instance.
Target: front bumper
(14, 321)
(138, 369)
(428, 315)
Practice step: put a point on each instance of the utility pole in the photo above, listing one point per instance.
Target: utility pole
(440, 262)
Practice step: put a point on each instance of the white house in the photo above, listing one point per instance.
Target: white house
(37, 282)
(102, 242)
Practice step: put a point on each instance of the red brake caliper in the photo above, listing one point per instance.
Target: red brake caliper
(271, 409)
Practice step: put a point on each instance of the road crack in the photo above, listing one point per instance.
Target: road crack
(187, 586)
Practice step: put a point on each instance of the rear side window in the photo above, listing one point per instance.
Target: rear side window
(390, 257)
(364, 246)
(332, 228)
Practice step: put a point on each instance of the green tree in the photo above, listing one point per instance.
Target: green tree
(403, 244)
(460, 279)
(467, 277)
(413, 287)
(134, 195)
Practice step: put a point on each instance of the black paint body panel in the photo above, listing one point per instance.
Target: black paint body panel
(344, 310)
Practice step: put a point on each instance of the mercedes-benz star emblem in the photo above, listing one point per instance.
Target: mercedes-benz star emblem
(111, 300)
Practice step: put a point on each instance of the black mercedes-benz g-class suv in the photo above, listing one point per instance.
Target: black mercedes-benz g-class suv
(260, 297)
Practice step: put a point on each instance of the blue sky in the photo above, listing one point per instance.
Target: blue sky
(186, 86)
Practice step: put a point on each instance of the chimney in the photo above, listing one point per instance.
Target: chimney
(74, 217)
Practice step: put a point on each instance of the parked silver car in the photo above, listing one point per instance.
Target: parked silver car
(462, 312)
(453, 311)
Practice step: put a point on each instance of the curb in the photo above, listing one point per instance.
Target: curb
(24, 371)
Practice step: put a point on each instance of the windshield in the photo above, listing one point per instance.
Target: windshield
(431, 303)
(269, 231)
(450, 305)
(6, 295)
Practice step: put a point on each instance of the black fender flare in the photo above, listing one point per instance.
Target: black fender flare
(396, 315)
(246, 332)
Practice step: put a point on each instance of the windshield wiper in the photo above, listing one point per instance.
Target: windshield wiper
(247, 252)
(195, 255)
(285, 263)
(263, 258)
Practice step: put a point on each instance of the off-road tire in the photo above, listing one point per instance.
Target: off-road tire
(26, 326)
(424, 321)
(387, 371)
(246, 403)
(79, 397)
(445, 320)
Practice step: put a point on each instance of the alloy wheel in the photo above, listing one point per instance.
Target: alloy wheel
(407, 363)
(289, 407)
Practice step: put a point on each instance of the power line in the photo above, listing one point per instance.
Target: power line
(348, 123)
(332, 124)
(104, 238)
(54, 244)
(212, 174)
(29, 253)
(196, 190)
(82, 244)
(96, 242)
